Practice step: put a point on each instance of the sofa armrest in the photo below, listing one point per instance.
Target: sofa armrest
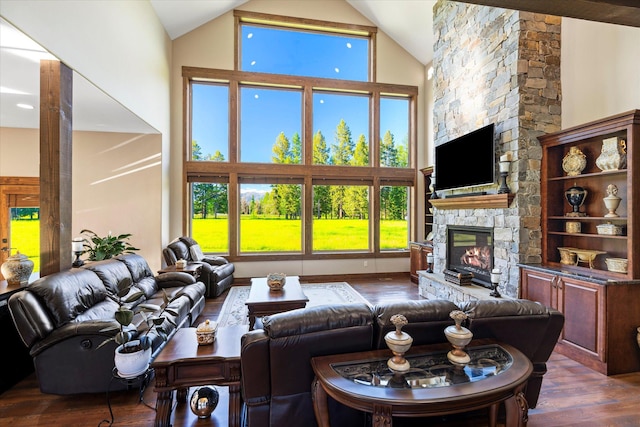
(214, 260)
(173, 279)
(256, 381)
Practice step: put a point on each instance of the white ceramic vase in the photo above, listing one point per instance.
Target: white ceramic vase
(17, 269)
(613, 155)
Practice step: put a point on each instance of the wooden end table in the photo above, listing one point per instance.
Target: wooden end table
(182, 363)
(262, 301)
(497, 374)
(192, 268)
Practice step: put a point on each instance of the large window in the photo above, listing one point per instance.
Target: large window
(287, 159)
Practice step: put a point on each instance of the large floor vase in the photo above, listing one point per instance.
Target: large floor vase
(131, 365)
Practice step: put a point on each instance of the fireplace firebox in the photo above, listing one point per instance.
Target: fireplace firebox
(470, 250)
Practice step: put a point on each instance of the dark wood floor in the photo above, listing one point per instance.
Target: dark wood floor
(572, 395)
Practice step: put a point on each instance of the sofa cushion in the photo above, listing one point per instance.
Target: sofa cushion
(69, 293)
(110, 271)
(196, 253)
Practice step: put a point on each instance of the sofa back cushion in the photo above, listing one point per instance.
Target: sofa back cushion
(427, 320)
(111, 272)
(140, 272)
(69, 293)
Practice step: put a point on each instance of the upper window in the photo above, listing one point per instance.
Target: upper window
(210, 122)
(302, 52)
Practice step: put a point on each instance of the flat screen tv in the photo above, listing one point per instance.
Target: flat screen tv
(466, 161)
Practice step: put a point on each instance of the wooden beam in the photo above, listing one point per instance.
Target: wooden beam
(56, 84)
(622, 12)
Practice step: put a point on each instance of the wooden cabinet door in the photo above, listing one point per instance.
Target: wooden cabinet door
(583, 306)
(415, 251)
(540, 287)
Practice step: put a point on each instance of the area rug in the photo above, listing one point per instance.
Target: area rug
(234, 311)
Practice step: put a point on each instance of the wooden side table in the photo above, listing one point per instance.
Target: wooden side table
(192, 268)
(182, 363)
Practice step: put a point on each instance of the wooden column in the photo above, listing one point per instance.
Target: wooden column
(56, 84)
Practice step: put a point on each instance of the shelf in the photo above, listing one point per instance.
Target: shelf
(606, 236)
(589, 175)
(487, 201)
(588, 218)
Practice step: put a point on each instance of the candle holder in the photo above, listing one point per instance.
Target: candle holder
(429, 262)
(495, 281)
(504, 171)
(78, 249)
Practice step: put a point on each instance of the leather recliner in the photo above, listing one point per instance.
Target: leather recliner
(216, 273)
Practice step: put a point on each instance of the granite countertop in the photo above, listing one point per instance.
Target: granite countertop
(564, 273)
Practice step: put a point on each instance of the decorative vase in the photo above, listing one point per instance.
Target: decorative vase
(399, 342)
(130, 365)
(574, 162)
(613, 155)
(575, 196)
(204, 400)
(459, 337)
(612, 201)
(17, 269)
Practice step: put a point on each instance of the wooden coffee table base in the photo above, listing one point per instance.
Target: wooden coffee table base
(183, 364)
(263, 302)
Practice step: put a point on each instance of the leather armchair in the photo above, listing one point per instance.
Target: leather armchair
(216, 272)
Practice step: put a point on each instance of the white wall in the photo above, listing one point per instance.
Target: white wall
(122, 48)
(211, 46)
(19, 152)
(599, 71)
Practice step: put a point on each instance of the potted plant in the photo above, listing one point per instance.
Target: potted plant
(134, 350)
(106, 247)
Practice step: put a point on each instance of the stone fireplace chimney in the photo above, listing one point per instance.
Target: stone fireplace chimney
(497, 66)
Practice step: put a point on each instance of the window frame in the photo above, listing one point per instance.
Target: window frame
(233, 171)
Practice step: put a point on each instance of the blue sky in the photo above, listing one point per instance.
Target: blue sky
(265, 112)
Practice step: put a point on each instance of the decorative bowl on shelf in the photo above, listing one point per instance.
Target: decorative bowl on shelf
(276, 281)
(617, 265)
(586, 255)
(567, 256)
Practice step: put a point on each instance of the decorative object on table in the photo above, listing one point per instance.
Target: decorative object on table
(574, 162)
(459, 337)
(573, 227)
(567, 256)
(399, 342)
(505, 162)
(612, 201)
(133, 354)
(204, 400)
(430, 262)
(17, 269)
(609, 229)
(276, 281)
(106, 247)
(617, 265)
(457, 277)
(575, 196)
(495, 281)
(613, 155)
(586, 255)
(77, 247)
(181, 263)
(206, 332)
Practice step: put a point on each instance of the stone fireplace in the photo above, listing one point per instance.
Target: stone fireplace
(498, 66)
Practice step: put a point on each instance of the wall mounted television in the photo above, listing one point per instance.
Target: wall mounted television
(466, 161)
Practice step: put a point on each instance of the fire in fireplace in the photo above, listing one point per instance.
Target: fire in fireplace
(470, 250)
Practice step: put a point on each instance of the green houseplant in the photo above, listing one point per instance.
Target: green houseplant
(106, 247)
(134, 350)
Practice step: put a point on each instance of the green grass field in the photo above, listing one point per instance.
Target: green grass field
(257, 235)
(282, 235)
(25, 237)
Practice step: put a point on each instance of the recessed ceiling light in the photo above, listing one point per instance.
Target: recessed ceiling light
(249, 35)
(337, 69)
(349, 45)
(26, 106)
(253, 62)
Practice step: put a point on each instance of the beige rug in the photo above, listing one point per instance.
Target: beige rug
(234, 311)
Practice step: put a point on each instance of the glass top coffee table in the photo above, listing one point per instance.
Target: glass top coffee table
(433, 386)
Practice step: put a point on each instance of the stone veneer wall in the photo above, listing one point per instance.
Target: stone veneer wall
(498, 66)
